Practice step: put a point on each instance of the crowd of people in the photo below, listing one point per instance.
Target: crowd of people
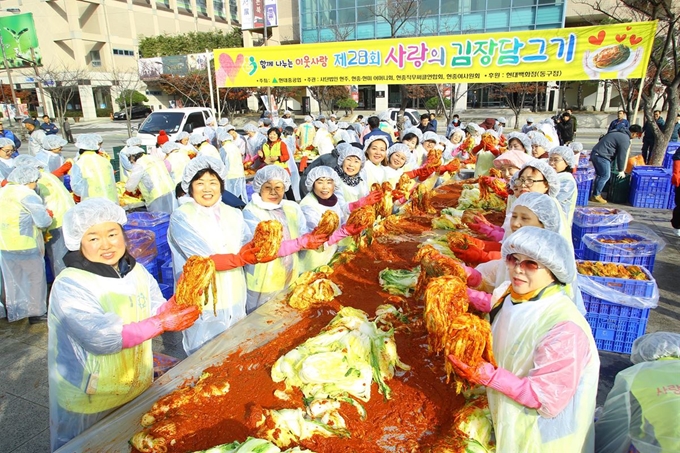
(104, 306)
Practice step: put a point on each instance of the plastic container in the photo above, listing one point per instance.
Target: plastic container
(615, 327)
(167, 276)
(596, 220)
(670, 204)
(649, 187)
(142, 245)
(67, 182)
(162, 363)
(642, 252)
(618, 189)
(166, 290)
(151, 266)
(643, 288)
(156, 222)
(668, 157)
(584, 183)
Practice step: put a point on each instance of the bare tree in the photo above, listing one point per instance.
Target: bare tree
(663, 72)
(514, 95)
(404, 18)
(124, 85)
(61, 83)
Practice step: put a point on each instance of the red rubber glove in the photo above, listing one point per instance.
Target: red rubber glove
(472, 255)
(492, 246)
(313, 241)
(64, 169)
(3, 183)
(370, 199)
(173, 320)
(516, 388)
(50, 213)
(229, 261)
(451, 167)
(423, 173)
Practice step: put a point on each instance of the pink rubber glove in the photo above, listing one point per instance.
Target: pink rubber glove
(372, 198)
(516, 388)
(474, 277)
(308, 241)
(480, 300)
(337, 236)
(138, 332)
(493, 232)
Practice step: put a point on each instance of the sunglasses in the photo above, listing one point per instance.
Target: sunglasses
(526, 265)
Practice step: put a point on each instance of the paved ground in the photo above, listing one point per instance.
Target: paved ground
(23, 348)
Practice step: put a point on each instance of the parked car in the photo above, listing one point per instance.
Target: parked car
(174, 121)
(138, 111)
(391, 115)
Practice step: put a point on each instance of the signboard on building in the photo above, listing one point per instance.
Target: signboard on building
(179, 65)
(583, 53)
(19, 37)
(254, 13)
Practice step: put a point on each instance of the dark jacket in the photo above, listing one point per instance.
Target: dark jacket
(10, 135)
(429, 128)
(676, 132)
(614, 145)
(565, 129)
(617, 123)
(49, 128)
(378, 131)
(648, 136)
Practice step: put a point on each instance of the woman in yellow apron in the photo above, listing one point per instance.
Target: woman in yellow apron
(103, 309)
(542, 391)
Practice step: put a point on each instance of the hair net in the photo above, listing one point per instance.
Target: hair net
(23, 175)
(132, 150)
(512, 157)
(576, 146)
(199, 163)
(286, 112)
(548, 173)
(345, 150)
(565, 153)
(99, 139)
(417, 132)
(502, 120)
(471, 129)
(267, 121)
(546, 247)
(374, 138)
(321, 117)
(229, 127)
(430, 136)
(136, 141)
(545, 208)
(343, 125)
(87, 142)
(28, 160)
(333, 115)
(269, 173)
(399, 148)
(197, 138)
(318, 124)
(223, 135)
(332, 127)
(530, 120)
(321, 172)
(169, 147)
(85, 215)
(654, 346)
(53, 142)
(7, 142)
(540, 140)
(250, 128)
(456, 131)
(308, 119)
(523, 139)
(223, 122)
(181, 136)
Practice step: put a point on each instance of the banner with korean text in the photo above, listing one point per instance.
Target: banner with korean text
(619, 51)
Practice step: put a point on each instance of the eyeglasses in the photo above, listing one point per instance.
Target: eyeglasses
(555, 160)
(528, 182)
(273, 189)
(526, 265)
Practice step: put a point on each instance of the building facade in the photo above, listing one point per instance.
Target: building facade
(100, 39)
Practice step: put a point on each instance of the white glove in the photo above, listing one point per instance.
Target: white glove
(621, 175)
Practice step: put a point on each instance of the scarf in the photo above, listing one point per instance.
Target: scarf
(351, 181)
(329, 203)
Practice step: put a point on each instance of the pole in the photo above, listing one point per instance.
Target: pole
(212, 97)
(635, 114)
(269, 88)
(38, 82)
(9, 77)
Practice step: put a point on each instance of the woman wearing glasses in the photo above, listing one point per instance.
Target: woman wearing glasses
(542, 391)
(563, 160)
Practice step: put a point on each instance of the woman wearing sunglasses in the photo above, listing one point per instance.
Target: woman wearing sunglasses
(542, 393)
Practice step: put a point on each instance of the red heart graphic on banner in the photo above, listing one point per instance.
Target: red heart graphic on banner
(597, 40)
(629, 28)
(635, 40)
(230, 66)
(620, 38)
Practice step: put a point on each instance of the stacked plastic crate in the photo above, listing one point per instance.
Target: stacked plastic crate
(668, 165)
(584, 177)
(157, 223)
(650, 187)
(620, 247)
(142, 246)
(595, 220)
(615, 326)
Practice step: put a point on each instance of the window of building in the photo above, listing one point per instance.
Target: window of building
(184, 5)
(346, 4)
(429, 7)
(233, 11)
(163, 4)
(473, 23)
(522, 17)
(202, 7)
(517, 3)
(498, 4)
(364, 15)
(125, 53)
(219, 8)
(548, 15)
(95, 58)
(497, 20)
(346, 16)
(366, 30)
(450, 6)
(308, 21)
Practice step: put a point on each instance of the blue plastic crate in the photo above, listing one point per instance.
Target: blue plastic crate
(596, 220)
(668, 157)
(583, 195)
(166, 290)
(157, 222)
(151, 266)
(642, 288)
(649, 187)
(612, 329)
(642, 253)
(670, 204)
(167, 275)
